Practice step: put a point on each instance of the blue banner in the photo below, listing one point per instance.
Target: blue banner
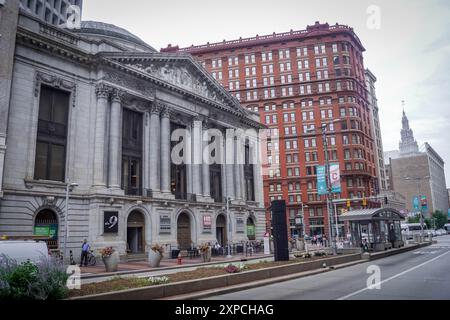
(416, 203)
(321, 180)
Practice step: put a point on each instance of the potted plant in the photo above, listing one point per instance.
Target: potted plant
(205, 251)
(155, 255)
(110, 258)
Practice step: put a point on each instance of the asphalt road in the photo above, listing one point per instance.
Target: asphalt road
(423, 274)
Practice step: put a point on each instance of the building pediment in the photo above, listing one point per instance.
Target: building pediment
(182, 72)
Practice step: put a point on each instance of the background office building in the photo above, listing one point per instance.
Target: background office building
(415, 171)
(296, 81)
(55, 12)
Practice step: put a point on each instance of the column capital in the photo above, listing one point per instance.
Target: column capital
(166, 111)
(102, 90)
(155, 108)
(117, 95)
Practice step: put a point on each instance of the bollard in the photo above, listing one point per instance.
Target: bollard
(179, 259)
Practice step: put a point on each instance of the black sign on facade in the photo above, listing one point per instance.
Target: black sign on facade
(111, 222)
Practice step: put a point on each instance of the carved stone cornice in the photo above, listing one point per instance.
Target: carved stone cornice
(103, 91)
(56, 82)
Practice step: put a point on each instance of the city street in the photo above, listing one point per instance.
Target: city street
(419, 274)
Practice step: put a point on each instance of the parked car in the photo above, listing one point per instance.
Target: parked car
(447, 228)
(441, 232)
(26, 250)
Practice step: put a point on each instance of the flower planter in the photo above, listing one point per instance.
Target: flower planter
(112, 262)
(154, 258)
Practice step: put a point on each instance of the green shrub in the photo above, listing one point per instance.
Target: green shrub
(45, 280)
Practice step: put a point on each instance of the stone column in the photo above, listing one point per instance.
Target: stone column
(154, 147)
(115, 135)
(165, 150)
(196, 139)
(205, 165)
(229, 167)
(257, 175)
(103, 93)
(236, 169)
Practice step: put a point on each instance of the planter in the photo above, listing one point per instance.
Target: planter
(206, 256)
(154, 258)
(112, 262)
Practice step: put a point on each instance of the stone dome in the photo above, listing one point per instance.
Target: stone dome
(111, 32)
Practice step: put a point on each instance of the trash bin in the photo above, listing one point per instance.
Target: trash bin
(175, 253)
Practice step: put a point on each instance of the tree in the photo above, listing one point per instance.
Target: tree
(415, 219)
(440, 219)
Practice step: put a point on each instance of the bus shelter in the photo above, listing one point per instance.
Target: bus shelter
(379, 228)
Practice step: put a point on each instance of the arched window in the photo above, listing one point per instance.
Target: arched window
(46, 226)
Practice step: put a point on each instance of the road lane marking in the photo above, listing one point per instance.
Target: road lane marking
(395, 276)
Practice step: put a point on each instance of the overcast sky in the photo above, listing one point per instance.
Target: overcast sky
(409, 52)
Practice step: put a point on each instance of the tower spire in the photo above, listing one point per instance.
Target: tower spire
(408, 145)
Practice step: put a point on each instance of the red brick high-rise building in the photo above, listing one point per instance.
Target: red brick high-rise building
(297, 81)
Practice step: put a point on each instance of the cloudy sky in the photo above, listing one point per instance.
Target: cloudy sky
(408, 48)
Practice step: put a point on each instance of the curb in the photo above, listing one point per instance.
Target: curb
(256, 284)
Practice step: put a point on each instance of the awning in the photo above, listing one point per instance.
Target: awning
(372, 214)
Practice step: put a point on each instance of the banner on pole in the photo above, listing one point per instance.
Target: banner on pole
(416, 203)
(335, 178)
(321, 181)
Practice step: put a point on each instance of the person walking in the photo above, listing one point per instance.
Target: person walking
(85, 248)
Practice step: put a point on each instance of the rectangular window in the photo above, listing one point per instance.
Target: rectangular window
(132, 146)
(50, 162)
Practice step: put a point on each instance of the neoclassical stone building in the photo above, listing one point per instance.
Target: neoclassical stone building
(97, 106)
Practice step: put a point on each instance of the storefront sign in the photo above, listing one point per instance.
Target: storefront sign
(111, 222)
(207, 223)
(164, 223)
(240, 226)
(42, 231)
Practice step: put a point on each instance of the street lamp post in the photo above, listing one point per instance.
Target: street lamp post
(229, 256)
(418, 181)
(328, 182)
(69, 187)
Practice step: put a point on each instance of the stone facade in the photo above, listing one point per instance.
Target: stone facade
(104, 78)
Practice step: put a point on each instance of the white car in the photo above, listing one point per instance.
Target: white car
(23, 251)
(441, 232)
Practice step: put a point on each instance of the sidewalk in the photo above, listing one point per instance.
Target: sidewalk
(166, 264)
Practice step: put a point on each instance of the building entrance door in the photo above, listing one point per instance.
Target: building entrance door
(135, 233)
(184, 231)
(221, 230)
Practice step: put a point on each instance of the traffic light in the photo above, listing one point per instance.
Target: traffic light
(386, 200)
(364, 202)
(349, 204)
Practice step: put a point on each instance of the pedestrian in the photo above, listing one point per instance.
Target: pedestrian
(85, 248)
